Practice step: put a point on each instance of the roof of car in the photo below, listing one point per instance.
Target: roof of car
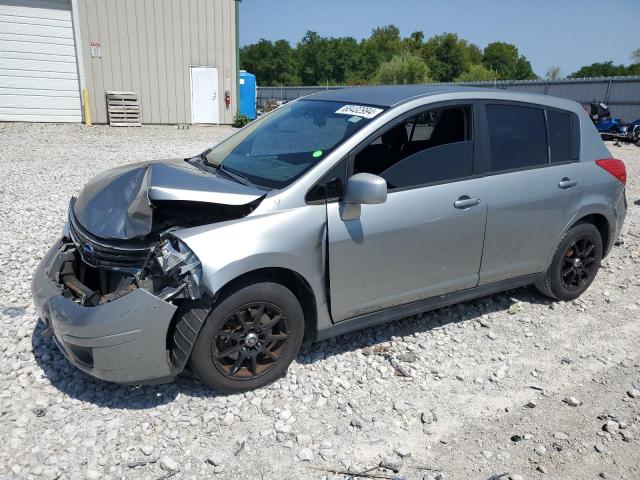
(388, 95)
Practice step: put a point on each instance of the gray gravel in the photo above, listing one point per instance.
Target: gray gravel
(508, 386)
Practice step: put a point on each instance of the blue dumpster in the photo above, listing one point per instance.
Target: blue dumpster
(248, 94)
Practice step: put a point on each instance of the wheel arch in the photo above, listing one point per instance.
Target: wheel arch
(288, 278)
(602, 224)
(191, 315)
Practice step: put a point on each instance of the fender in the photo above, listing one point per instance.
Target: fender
(292, 239)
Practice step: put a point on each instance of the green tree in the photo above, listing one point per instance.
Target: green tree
(405, 68)
(380, 47)
(504, 59)
(413, 43)
(635, 56)
(273, 63)
(554, 73)
(314, 59)
(477, 73)
(472, 52)
(602, 69)
(344, 57)
(446, 57)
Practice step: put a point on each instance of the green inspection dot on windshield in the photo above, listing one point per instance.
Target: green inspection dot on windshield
(317, 153)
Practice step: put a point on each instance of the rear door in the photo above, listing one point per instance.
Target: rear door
(534, 186)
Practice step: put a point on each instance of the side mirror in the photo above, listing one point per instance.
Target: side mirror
(362, 188)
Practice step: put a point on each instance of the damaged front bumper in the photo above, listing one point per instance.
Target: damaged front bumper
(123, 340)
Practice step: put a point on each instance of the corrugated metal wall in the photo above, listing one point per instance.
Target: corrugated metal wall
(147, 46)
(621, 93)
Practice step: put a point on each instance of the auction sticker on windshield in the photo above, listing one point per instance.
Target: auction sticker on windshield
(359, 110)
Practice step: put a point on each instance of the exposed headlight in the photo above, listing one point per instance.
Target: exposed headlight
(177, 260)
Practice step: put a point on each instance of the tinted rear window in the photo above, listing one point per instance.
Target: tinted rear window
(518, 137)
(559, 136)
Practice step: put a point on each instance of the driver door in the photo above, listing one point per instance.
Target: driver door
(426, 239)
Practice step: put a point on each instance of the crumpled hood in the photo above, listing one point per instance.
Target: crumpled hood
(121, 203)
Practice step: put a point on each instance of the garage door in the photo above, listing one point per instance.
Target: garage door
(38, 70)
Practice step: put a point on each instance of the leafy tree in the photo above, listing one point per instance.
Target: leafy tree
(273, 63)
(380, 47)
(413, 44)
(505, 60)
(446, 56)
(344, 56)
(477, 73)
(405, 68)
(314, 58)
(317, 60)
(554, 73)
(635, 56)
(524, 71)
(603, 69)
(633, 69)
(472, 52)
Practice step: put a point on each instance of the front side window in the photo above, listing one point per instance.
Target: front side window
(277, 149)
(518, 137)
(433, 146)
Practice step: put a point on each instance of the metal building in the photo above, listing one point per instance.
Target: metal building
(179, 56)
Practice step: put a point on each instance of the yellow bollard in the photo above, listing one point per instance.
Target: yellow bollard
(85, 106)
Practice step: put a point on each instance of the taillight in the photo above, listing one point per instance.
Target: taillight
(615, 168)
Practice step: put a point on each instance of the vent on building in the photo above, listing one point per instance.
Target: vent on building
(123, 109)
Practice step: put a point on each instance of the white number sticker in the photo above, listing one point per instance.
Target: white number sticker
(359, 110)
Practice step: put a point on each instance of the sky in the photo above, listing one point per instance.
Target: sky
(564, 33)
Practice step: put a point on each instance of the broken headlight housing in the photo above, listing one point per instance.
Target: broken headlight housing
(178, 271)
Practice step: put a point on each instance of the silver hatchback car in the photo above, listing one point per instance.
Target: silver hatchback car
(338, 211)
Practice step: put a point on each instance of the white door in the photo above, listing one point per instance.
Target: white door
(204, 95)
(38, 70)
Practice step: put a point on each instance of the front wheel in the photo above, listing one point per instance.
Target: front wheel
(575, 263)
(249, 338)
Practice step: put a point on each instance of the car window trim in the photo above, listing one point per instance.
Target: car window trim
(345, 161)
(471, 103)
(486, 160)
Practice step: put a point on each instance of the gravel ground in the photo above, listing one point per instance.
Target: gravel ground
(508, 386)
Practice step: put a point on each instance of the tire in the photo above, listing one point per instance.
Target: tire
(233, 327)
(578, 238)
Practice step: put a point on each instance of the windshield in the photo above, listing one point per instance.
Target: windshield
(278, 148)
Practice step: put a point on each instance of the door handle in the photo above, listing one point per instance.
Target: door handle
(465, 202)
(567, 183)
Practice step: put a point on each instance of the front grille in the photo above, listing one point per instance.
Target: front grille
(101, 253)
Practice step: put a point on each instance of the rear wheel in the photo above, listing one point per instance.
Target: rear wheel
(249, 339)
(574, 265)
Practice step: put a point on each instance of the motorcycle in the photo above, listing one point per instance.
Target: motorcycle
(613, 128)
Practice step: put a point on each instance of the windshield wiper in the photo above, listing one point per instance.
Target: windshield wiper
(236, 176)
(232, 174)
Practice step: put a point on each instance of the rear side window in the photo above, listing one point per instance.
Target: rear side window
(559, 136)
(518, 137)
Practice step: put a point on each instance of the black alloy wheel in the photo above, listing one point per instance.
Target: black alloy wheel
(579, 264)
(575, 263)
(251, 341)
(250, 337)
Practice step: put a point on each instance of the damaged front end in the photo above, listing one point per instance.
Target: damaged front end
(96, 271)
(121, 295)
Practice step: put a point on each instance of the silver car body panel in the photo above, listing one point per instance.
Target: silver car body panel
(527, 214)
(292, 239)
(413, 246)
